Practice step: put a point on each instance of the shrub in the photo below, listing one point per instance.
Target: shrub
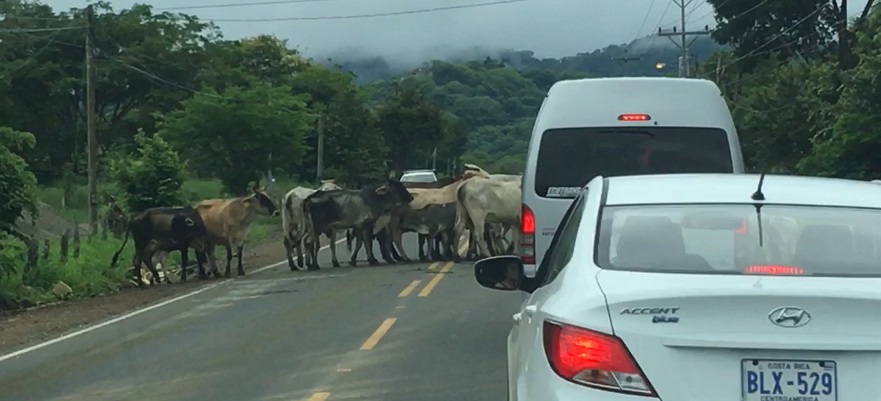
(152, 176)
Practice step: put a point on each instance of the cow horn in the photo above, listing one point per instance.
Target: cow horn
(382, 190)
(189, 222)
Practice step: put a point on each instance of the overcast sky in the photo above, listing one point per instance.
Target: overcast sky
(550, 28)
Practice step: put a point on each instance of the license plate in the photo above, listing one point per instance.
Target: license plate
(782, 380)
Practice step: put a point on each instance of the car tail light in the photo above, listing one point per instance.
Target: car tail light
(775, 270)
(593, 359)
(527, 235)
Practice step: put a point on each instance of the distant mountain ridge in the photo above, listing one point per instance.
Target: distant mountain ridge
(601, 62)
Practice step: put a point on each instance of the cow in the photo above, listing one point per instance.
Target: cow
(164, 229)
(293, 222)
(485, 200)
(343, 209)
(431, 222)
(228, 222)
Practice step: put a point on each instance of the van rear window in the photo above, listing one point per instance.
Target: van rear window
(569, 158)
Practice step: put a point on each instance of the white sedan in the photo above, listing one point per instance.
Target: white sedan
(702, 287)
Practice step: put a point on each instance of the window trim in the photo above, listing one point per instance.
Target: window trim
(546, 273)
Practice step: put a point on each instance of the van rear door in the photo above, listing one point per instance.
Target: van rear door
(568, 158)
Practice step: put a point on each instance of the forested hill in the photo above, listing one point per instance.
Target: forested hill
(599, 63)
(496, 98)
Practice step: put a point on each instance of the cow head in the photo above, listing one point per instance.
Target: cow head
(395, 192)
(473, 170)
(260, 202)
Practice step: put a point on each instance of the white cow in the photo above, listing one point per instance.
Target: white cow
(487, 200)
(292, 222)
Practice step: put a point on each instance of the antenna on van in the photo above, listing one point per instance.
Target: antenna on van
(759, 196)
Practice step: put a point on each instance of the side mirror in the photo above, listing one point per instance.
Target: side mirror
(503, 272)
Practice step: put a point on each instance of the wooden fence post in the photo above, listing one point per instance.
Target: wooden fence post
(45, 249)
(33, 256)
(76, 241)
(64, 246)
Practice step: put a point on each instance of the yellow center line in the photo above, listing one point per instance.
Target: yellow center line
(409, 288)
(436, 279)
(321, 396)
(377, 335)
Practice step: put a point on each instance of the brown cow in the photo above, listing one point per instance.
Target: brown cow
(228, 222)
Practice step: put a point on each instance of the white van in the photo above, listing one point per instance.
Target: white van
(613, 127)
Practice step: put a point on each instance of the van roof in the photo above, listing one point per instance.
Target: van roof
(597, 102)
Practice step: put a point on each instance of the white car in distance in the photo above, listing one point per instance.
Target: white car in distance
(705, 287)
(425, 176)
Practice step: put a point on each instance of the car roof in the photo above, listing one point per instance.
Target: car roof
(737, 188)
(418, 171)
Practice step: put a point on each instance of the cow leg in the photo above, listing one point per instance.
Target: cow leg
(359, 241)
(312, 252)
(288, 247)
(184, 261)
(397, 236)
(386, 248)
(367, 234)
(227, 273)
(331, 234)
(136, 269)
(212, 259)
(299, 247)
(489, 236)
(446, 237)
(201, 258)
(239, 248)
(436, 245)
(422, 240)
(479, 221)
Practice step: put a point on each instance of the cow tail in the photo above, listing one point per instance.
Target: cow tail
(462, 218)
(306, 228)
(116, 255)
(349, 240)
(286, 217)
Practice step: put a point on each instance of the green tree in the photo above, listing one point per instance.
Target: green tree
(150, 177)
(230, 134)
(17, 183)
(412, 125)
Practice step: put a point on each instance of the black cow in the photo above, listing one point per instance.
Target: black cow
(343, 209)
(164, 229)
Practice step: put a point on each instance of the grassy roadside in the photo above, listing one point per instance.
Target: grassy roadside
(89, 274)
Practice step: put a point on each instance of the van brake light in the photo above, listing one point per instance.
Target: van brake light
(774, 270)
(634, 117)
(527, 235)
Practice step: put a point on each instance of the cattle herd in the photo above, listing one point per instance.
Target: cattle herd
(439, 212)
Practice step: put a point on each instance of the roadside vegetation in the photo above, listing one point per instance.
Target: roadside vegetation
(185, 115)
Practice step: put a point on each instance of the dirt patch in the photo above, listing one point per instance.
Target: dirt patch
(28, 327)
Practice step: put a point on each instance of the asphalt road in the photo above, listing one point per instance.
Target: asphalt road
(392, 332)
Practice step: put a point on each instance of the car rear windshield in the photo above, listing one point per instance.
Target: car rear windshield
(569, 158)
(728, 239)
(419, 177)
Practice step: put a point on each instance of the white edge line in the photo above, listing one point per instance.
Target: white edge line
(136, 312)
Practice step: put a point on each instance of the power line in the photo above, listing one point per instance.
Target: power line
(33, 30)
(256, 3)
(357, 16)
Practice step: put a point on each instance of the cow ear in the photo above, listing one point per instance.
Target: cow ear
(189, 222)
(382, 190)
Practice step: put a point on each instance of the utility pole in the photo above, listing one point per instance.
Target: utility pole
(625, 60)
(684, 64)
(319, 170)
(92, 141)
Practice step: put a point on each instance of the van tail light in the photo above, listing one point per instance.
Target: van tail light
(527, 235)
(774, 270)
(593, 359)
